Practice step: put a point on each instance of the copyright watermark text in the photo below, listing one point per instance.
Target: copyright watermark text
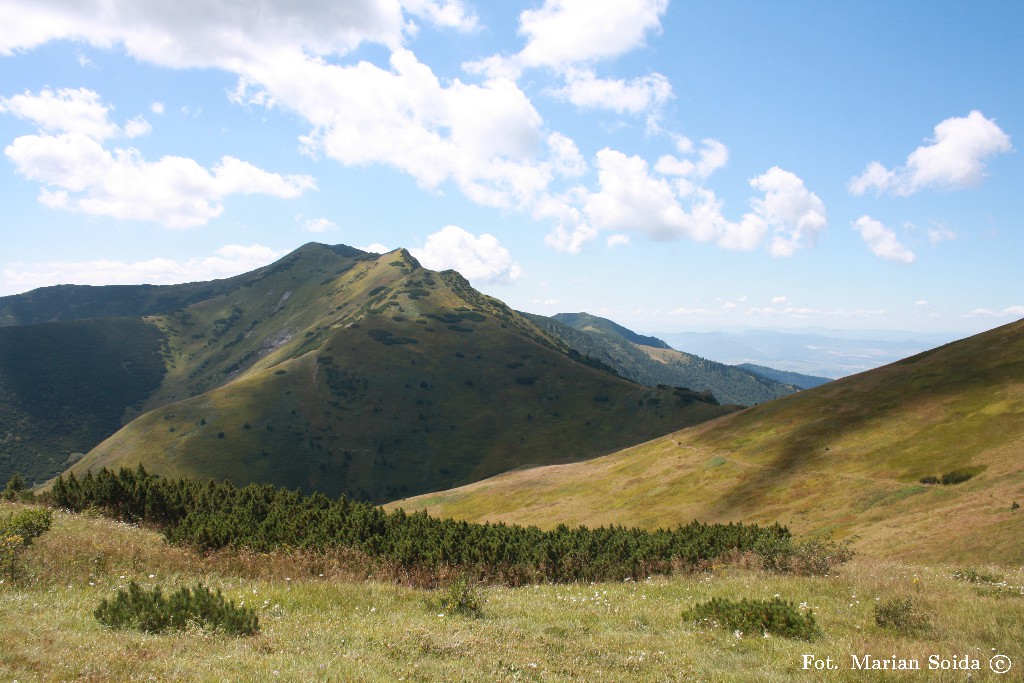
(999, 664)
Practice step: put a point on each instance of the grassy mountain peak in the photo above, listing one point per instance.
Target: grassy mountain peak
(346, 372)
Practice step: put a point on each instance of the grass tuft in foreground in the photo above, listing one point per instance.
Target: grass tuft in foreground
(460, 598)
(902, 615)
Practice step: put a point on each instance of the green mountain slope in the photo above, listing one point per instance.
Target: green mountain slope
(650, 361)
(344, 372)
(65, 386)
(845, 458)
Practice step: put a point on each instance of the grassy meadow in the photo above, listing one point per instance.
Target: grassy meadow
(328, 618)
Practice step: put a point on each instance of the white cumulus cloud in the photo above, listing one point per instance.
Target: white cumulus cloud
(480, 258)
(566, 32)
(79, 174)
(316, 225)
(485, 138)
(955, 158)
(71, 110)
(584, 89)
(445, 13)
(881, 240)
(940, 233)
(713, 156)
(224, 34)
(1008, 312)
(376, 248)
(794, 214)
(630, 198)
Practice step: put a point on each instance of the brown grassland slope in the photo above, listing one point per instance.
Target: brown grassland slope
(844, 459)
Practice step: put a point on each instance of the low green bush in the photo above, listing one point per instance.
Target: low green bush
(29, 524)
(756, 617)
(17, 531)
(952, 477)
(956, 476)
(901, 615)
(151, 612)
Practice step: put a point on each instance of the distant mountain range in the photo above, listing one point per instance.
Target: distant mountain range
(332, 370)
(823, 353)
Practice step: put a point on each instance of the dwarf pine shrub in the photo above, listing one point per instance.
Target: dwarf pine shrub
(267, 519)
(16, 489)
(29, 524)
(956, 476)
(756, 617)
(950, 478)
(151, 612)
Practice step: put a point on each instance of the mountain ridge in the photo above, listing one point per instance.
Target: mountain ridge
(587, 322)
(346, 372)
(651, 361)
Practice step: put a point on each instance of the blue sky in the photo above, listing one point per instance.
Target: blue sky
(670, 165)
